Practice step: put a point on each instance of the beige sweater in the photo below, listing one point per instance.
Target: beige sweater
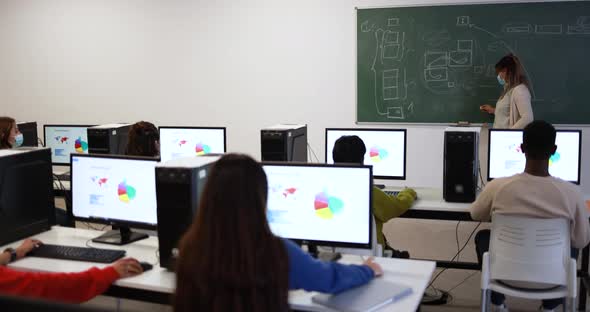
(532, 196)
(514, 110)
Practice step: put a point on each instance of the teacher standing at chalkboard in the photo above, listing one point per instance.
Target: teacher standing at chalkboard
(513, 109)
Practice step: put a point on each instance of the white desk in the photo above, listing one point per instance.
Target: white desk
(413, 273)
(432, 199)
(431, 205)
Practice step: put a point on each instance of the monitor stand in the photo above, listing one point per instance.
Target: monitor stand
(324, 255)
(122, 236)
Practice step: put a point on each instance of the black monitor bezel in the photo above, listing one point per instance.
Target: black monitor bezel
(521, 130)
(368, 245)
(196, 128)
(381, 177)
(34, 126)
(116, 222)
(62, 126)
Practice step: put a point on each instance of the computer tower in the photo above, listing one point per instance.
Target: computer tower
(460, 166)
(29, 131)
(284, 143)
(108, 139)
(26, 193)
(179, 183)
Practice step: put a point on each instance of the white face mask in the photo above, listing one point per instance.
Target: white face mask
(501, 81)
(18, 140)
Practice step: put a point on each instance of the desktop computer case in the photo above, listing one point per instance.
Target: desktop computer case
(178, 189)
(284, 144)
(460, 166)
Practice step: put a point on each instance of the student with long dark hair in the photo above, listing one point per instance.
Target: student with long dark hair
(513, 109)
(144, 140)
(229, 259)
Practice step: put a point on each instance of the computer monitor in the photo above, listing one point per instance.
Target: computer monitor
(65, 140)
(26, 193)
(179, 142)
(505, 157)
(116, 190)
(29, 131)
(320, 204)
(386, 150)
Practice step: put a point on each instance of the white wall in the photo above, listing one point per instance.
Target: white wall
(237, 63)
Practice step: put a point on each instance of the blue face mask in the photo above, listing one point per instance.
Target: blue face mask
(18, 140)
(501, 81)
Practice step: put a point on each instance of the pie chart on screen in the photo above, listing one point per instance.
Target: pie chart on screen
(377, 154)
(202, 149)
(126, 192)
(80, 146)
(327, 206)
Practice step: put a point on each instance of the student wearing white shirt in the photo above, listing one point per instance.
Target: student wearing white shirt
(513, 109)
(533, 193)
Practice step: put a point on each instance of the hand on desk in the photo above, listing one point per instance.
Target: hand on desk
(413, 192)
(27, 246)
(127, 267)
(374, 266)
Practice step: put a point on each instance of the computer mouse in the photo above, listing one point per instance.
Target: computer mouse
(146, 266)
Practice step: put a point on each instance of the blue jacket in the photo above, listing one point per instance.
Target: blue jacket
(310, 274)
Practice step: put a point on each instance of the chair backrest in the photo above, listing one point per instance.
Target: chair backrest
(529, 249)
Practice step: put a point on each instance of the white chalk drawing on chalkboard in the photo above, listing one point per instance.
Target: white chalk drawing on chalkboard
(390, 83)
(434, 59)
(517, 28)
(396, 112)
(436, 74)
(365, 26)
(463, 56)
(582, 26)
(392, 22)
(393, 47)
(462, 20)
(496, 46)
(556, 29)
(390, 76)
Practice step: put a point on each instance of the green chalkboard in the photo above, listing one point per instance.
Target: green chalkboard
(435, 64)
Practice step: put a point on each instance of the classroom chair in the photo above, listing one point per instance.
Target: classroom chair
(529, 250)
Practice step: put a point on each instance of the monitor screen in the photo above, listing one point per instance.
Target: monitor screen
(182, 142)
(386, 150)
(65, 140)
(326, 204)
(506, 158)
(116, 189)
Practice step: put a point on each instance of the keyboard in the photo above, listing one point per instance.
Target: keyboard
(391, 193)
(77, 253)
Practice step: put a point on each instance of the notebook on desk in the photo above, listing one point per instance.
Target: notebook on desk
(370, 297)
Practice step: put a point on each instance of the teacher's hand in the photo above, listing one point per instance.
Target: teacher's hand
(488, 109)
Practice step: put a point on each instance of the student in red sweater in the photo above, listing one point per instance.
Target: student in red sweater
(66, 287)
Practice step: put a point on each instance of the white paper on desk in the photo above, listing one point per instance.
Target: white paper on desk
(370, 297)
